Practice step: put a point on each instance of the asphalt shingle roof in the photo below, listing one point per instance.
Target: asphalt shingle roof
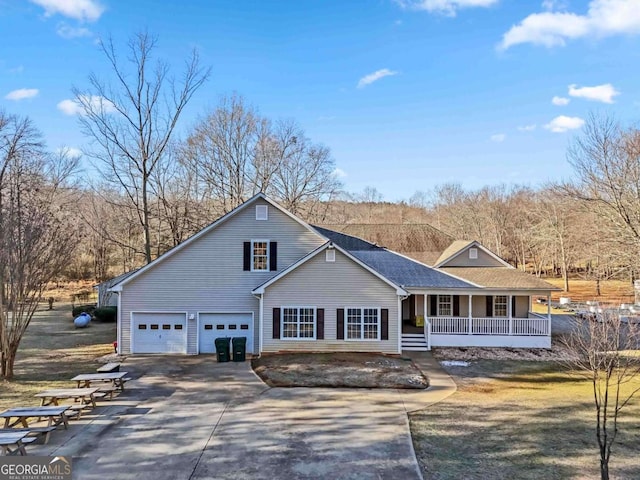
(499, 277)
(400, 270)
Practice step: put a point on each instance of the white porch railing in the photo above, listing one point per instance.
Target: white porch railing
(488, 326)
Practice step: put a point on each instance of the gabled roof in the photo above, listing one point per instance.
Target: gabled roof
(456, 247)
(260, 289)
(399, 269)
(206, 230)
(459, 246)
(500, 277)
(116, 280)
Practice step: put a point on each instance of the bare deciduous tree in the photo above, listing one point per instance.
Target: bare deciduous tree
(36, 234)
(602, 351)
(235, 153)
(132, 120)
(606, 160)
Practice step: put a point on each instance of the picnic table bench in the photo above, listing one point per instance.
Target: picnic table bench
(17, 438)
(55, 415)
(86, 396)
(109, 368)
(32, 432)
(117, 379)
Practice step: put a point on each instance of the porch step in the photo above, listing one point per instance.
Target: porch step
(415, 342)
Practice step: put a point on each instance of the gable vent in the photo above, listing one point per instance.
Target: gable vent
(330, 255)
(262, 212)
(473, 253)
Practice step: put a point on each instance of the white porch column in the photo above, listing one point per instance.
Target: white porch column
(549, 313)
(470, 314)
(424, 306)
(510, 308)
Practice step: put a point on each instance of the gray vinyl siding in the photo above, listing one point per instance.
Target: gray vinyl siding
(479, 305)
(207, 275)
(330, 285)
(483, 260)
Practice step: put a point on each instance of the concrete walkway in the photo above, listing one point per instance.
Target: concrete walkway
(191, 418)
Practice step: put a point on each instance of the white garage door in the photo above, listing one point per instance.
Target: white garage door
(159, 333)
(216, 325)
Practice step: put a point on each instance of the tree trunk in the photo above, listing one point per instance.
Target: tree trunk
(7, 361)
(604, 470)
(145, 220)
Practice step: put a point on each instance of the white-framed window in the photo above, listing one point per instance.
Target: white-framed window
(445, 305)
(362, 323)
(298, 323)
(500, 305)
(259, 255)
(262, 212)
(473, 253)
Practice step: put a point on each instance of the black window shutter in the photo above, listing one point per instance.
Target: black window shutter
(320, 324)
(340, 324)
(384, 324)
(489, 306)
(247, 257)
(456, 305)
(276, 323)
(433, 305)
(273, 256)
(513, 306)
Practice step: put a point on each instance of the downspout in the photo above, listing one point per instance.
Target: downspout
(119, 325)
(260, 296)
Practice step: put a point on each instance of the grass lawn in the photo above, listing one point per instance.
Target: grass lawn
(53, 351)
(519, 420)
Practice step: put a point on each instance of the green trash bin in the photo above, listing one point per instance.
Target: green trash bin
(222, 349)
(239, 345)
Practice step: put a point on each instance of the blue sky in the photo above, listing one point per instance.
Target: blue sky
(408, 94)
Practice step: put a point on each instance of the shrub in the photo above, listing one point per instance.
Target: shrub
(78, 309)
(106, 314)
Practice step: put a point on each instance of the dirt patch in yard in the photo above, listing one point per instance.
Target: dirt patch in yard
(338, 370)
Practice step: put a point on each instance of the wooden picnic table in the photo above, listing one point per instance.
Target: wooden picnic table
(55, 415)
(84, 395)
(16, 438)
(117, 379)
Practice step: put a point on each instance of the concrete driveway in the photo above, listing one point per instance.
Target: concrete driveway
(191, 418)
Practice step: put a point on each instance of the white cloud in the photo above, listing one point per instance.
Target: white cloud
(498, 137)
(563, 123)
(82, 10)
(560, 101)
(22, 93)
(339, 173)
(551, 5)
(527, 128)
(599, 93)
(375, 76)
(444, 7)
(71, 152)
(72, 107)
(69, 32)
(604, 18)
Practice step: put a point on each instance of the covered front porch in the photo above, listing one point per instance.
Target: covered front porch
(499, 319)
